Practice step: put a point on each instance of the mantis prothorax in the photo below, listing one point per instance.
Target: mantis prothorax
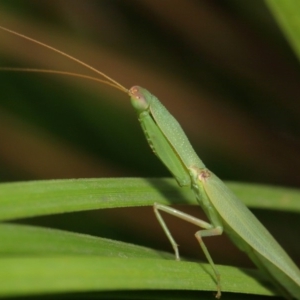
(223, 209)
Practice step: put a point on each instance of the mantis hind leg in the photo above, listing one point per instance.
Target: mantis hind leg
(209, 230)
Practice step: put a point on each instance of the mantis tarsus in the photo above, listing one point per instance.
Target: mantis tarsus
(223, 209)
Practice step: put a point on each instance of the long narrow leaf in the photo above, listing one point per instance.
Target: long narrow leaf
(21, 276)
(287, 14)
(42, 261)
(25, 240)
(36, 198)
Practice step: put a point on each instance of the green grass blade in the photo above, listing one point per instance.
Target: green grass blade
(287, 14)
(24, 240)
(42, 261)
(36, 198)
(43, 275)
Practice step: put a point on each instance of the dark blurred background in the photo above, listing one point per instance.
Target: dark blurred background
(223, 68)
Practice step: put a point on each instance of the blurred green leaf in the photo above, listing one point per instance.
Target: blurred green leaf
(287, 14)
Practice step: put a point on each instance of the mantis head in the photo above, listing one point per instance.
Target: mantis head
(140, 98)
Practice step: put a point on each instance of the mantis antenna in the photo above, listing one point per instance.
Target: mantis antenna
(57, 72)
(110, 81)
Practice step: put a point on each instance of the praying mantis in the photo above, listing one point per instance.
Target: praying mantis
(225, 212)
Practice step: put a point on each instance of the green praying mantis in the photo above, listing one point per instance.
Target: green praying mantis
(224, 210)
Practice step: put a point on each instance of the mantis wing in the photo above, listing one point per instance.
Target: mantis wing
(251, 236)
